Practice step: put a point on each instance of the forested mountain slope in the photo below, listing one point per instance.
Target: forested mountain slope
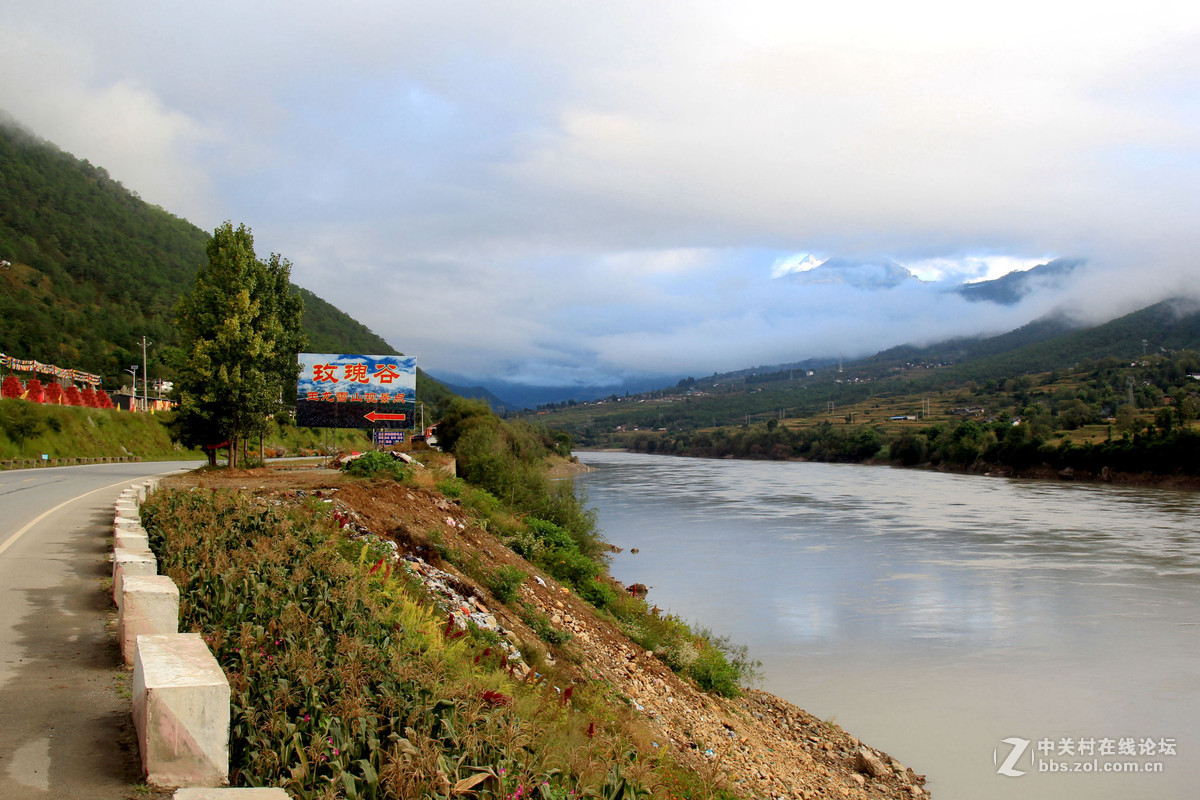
(95, 268)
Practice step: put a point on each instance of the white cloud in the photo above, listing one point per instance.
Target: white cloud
(596, 189)
(151, 148)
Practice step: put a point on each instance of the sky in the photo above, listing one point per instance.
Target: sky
(587, 193)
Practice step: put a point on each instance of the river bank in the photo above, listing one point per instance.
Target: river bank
(755, 745)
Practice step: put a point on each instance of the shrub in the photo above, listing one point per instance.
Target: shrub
(598, 593)
(541, 625)
(569, 566)
(504, 582)
(377, 464)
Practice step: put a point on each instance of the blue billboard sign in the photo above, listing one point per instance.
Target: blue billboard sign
(339, 390)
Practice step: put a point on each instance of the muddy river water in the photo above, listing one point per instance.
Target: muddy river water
(1007, 638)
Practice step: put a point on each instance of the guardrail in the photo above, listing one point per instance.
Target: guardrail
(33, 463)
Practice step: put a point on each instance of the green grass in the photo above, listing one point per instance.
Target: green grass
(27, 430)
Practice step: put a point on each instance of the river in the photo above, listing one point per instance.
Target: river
(1008, 638)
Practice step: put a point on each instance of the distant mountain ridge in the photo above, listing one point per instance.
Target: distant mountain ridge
(1010, 289)
(95, 268)
(881, 273)
(481, 393)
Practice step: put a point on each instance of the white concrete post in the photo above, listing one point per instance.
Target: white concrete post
(231, 794)
(131, 562)
(130, 539)
(181, 711)
(149, 604)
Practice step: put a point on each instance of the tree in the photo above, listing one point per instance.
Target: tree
(12, 388)
(1126, 419)
(20, 422)
(241, 327)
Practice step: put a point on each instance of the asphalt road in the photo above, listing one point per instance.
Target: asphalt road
(65, 728)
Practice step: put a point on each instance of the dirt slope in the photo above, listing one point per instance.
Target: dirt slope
(757, 744)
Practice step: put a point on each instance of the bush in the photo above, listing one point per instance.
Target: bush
(598, 593)
(377, 464)
(569, 566)
(503, 583)
(550, 535)
(721, 667)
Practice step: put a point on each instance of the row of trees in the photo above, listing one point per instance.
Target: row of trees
(1163, 448)
(54, 393)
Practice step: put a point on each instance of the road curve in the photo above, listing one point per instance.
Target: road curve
(65, 729)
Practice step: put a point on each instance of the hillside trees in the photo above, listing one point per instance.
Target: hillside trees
(94, 268)
(242, 331)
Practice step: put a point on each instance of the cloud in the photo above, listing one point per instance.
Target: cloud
(584, 191)
(151, 148)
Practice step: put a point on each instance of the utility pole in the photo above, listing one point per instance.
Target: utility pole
(4, 265)
(145, 377)
(133, 402)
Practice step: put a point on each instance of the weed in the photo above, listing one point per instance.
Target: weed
(504, 582)
(541, 625)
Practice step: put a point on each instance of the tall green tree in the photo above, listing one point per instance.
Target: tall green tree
(241, 327)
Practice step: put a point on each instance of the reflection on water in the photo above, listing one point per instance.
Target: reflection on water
(935, 615)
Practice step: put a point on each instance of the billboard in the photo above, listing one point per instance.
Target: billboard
(339, 390)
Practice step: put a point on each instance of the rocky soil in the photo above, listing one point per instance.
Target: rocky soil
(758, 745)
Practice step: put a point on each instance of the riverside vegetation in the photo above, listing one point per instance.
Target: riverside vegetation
(348, 681)
(1105, 418)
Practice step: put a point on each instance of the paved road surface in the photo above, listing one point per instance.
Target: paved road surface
(65, 729)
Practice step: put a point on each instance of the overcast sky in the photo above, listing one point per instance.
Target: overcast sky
(560, 192)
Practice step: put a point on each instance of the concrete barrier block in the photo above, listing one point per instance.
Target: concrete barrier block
(126, 509)
(231, 794)
(130, 539)
(149, 605)
(131, 562)
(140, 489)
(181, 711)
(128, 525)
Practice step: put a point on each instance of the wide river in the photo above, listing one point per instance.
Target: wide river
(1007, 638)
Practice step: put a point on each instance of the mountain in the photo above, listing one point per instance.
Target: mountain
(858, 273)
(1010, 289)
(94, 268)
(481, 393)
(518, 396)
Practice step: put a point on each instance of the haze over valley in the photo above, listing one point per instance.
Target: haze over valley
(598, 197)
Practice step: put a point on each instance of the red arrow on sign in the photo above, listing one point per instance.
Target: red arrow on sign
(375, 416)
